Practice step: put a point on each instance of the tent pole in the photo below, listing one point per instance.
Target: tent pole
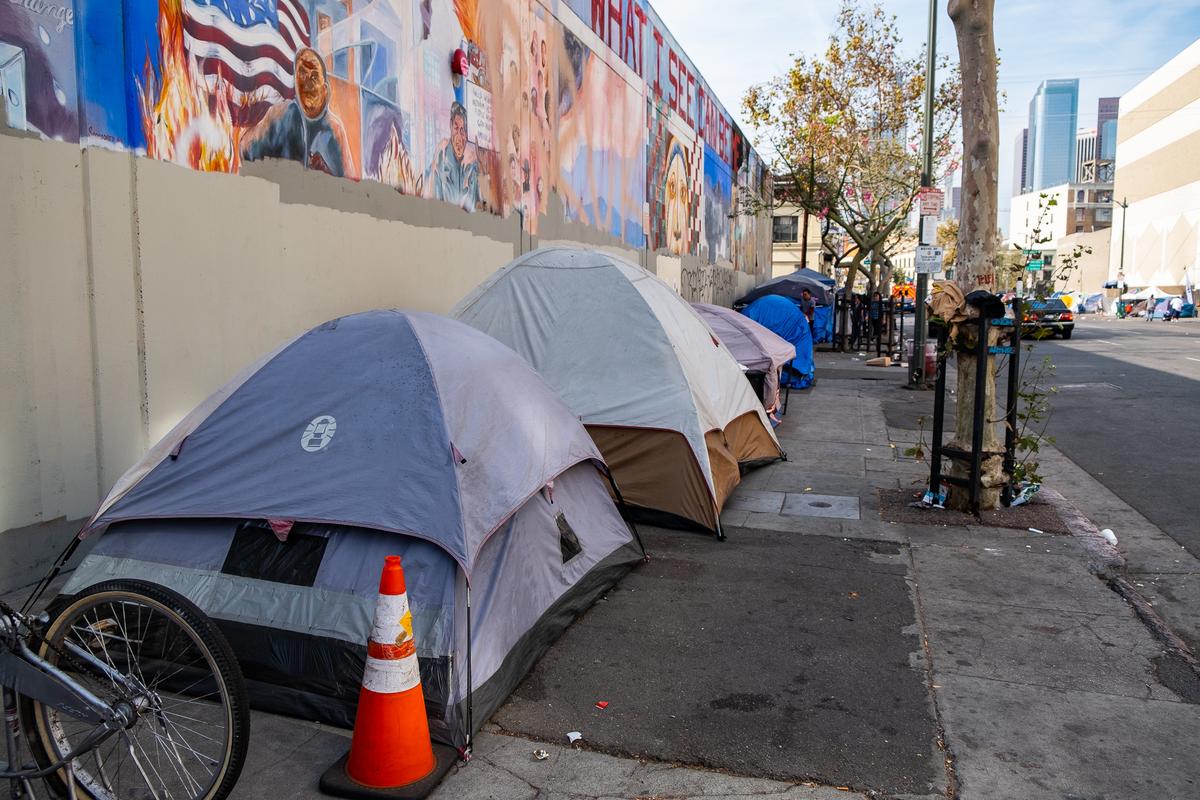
(470, 683)
(49, 577)
(621, 504)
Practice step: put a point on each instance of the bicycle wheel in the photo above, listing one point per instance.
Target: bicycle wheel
(193, 722)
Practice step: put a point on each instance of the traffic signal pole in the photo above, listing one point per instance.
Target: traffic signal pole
(916, 363)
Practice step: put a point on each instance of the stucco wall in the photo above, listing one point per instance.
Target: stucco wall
(133, 288)
(190, 236)
(48, 436)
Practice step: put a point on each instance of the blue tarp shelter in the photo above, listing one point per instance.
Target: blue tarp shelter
(823, 323)
(782, 316)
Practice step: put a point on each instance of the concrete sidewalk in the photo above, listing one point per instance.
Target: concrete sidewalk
(822, 652)
(1038, 680)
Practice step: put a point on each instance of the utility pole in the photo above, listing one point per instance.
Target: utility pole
(1124, 204)
(804, 241)
(916, 364)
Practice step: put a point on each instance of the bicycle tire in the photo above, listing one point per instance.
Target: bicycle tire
(46, 743)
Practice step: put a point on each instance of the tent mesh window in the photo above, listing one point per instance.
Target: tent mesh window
(256, 552)
(567, 539)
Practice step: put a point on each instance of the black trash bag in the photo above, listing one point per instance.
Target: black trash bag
(989, 305)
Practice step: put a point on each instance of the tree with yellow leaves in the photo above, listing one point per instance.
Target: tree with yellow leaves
(843, 131)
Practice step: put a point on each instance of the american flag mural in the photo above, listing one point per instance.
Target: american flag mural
(249, 44)
(594, 101)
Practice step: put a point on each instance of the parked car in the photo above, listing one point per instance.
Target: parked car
(1048, 317)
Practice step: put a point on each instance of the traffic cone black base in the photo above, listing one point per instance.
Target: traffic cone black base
(336, 782)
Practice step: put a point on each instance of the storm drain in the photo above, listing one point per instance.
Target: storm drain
(820, 505)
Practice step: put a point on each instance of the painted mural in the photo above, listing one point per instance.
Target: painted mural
(488, 105)
(37, 68)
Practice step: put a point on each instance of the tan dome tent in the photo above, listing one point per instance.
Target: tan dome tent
(665, 401)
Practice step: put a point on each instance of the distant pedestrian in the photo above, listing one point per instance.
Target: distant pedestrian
(1150, 308)
(876, 312)
(808, 307)
(856, 320)
(1175, 308)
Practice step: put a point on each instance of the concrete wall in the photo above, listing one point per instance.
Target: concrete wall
(1091, 270)
(156, 239)
(133, 288)
(1156, 239)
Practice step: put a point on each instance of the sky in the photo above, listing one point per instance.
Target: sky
(1110, 45)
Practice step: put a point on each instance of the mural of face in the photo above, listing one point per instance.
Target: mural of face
(675, 200)
(312, 89)
(458, 134)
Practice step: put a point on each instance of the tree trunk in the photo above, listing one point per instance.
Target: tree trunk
(977, 243)
(851, 276)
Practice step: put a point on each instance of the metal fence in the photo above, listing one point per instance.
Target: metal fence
(870, 326)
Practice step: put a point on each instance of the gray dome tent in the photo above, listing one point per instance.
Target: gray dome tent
(272, 506)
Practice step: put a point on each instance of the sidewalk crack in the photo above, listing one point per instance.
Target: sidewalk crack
(950, 760)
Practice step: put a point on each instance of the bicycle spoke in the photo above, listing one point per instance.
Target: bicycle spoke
(176, 763)
(195, 732)
(149, 785)
(133, 648)
(191, 700)
(202, 758)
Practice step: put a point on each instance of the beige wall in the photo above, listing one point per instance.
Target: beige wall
(133, 288)
(786, 257)
(48, 434)
(1156, 238)
(1091, 270)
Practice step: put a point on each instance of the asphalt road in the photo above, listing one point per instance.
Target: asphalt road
(1128, 411)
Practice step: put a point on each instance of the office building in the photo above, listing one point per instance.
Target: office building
(1021, 164)
(1085, 155)
(1107, 111)
(1038, 223)
(1158, 176)
(1053, 117)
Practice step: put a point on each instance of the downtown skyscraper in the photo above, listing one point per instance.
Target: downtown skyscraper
(1053, 116)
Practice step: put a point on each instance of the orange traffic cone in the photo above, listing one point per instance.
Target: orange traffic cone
(391, 754)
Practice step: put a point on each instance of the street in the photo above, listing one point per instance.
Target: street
(1126, 411)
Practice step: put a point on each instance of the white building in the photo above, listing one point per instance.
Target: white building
(788, 241)
(1155, 238)
(1038, 220)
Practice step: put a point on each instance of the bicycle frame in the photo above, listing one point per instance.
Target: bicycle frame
(23, 672)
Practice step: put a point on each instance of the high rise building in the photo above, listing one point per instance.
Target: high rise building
(1106, 128)
(1053, 116)
(1021, 164)
(1085, 155)
(1156, 239)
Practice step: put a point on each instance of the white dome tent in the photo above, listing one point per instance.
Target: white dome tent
(664, 400)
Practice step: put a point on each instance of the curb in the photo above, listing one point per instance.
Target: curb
(1109, 565)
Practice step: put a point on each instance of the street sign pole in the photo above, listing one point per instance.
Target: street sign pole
(916, 363)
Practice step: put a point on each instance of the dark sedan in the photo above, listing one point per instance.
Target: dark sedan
(1047, 318)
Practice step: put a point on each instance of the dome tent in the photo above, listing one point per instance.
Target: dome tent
(272, 505)
(792, 286)
(755, 347)
(752, 344)
(664, 400)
